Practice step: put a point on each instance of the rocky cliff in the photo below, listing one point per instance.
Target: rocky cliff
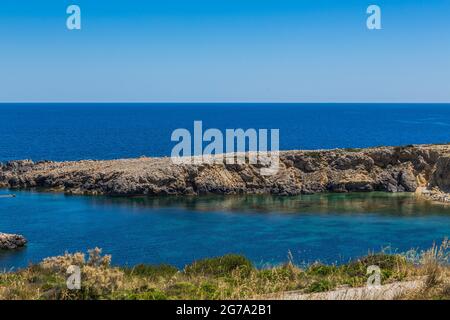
(391, 169)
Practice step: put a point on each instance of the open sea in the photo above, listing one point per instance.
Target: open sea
(108, 131)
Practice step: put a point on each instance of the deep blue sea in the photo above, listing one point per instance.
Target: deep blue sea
(108, 131)
(330, 228)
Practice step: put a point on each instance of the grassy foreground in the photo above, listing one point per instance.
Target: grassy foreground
(226, 277)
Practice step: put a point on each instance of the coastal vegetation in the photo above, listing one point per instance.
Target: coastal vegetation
(227, 277)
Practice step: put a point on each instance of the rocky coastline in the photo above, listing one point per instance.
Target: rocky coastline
(11, 241)
(423, 169)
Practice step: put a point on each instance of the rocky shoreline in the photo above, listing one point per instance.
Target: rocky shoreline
(424, 168)
(11, 241)
(435, 195)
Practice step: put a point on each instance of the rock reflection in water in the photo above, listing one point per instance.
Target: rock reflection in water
(372, 202)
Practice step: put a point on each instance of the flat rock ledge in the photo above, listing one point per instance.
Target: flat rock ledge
(11, 241)
(434, 195)
(385, 292)
(389, 169)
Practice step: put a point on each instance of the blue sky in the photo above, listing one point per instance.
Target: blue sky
(225, 50)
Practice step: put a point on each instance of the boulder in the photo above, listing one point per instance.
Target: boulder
(11, 241)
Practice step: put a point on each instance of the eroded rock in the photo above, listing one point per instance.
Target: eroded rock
(391, 169)
(441, 176)
(11, 241)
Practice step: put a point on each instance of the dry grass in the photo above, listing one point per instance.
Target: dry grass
(434, 266)
(227, 277)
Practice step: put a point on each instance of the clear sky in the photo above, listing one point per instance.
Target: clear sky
(225, 50)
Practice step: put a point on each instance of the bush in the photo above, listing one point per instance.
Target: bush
(152, 294)
(319, 269)
(153, 272)
(320, 286)
(286, 272)
(209, 291)
(98, 278)
(219, 266)
(387, 264)
(182, 290)
(98, 282)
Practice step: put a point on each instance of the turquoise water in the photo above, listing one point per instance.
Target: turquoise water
(329, 227)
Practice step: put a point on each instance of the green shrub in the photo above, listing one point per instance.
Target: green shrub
(320, 286)
(152, 294)
(209, 291)
(319, 269)
(183, 291)
(387, 264)
(153, 272)
(219, 266)
(280, 273)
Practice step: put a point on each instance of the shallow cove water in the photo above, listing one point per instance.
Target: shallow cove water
(177, 230)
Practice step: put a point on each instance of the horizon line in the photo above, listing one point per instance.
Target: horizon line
(218, 102)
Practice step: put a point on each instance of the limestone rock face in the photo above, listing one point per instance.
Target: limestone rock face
(391, 169)
(11, 241)
(441, 176)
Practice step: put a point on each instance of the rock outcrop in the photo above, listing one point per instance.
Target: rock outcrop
(441, 176)
(391, 169)
(11, 241)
